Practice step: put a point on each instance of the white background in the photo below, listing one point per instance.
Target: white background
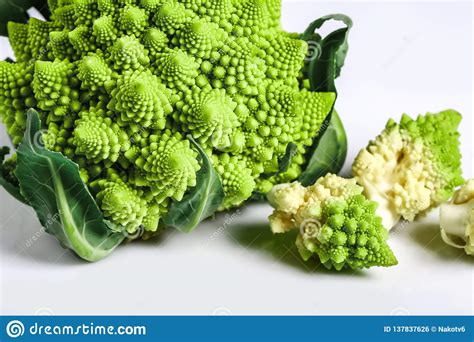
(408, 57)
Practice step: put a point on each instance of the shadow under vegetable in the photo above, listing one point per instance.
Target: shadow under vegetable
(280, 247)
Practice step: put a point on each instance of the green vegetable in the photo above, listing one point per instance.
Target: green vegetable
(120, 86)
(411, 167)
(457, 219)
(336, 223)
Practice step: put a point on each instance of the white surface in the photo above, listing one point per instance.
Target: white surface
(405, 57)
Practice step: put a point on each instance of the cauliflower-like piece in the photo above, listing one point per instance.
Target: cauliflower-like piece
(457, 219)
(411, 167)
(337, 223)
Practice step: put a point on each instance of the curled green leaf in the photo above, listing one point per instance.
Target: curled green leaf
(323, 68)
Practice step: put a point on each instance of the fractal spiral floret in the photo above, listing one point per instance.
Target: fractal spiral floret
(121, 85)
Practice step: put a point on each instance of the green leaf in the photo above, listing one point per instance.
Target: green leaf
(7, 179)
(15, 10)
(327, 56)
(329, 148)
(51, 184)
(10, 12)
(200, 202)
(329, 154)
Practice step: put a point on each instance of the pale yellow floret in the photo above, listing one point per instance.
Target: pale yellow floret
(287, 197)
(396, 172)
(281, 222)
(333, 187)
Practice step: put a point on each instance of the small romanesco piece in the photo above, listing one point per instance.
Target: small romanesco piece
(411, 167)
(336, 223)
(457, 219)
(119, 85)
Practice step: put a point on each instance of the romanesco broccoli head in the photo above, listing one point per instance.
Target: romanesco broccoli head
(336, 223)
(412, 166)
(119, 85)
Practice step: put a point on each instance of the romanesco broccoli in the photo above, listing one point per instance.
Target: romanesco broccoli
(120, 84)
(335, 221)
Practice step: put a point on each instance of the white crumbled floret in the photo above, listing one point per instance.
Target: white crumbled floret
(396, 173)
(287, 197)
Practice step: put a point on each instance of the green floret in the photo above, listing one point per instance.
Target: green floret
(150, 6)
(60, 45)
(168, 162)
(177, 69)
(172, 16)
(274, 10)
(284, 56)
(93, 72)
(99, 139)
(82, 40)
(237, 179)
(86, 11)
(238, 67)
(38, 36)
(218, 11)
(155, 41)
(128, 53)
(200, 38)
(336, 223)
(209, 114)
(413, 166)
(15, 96)
(141, 100)
(18, 36)
(104, 31)
(250, 16)
(133, 20)
(51, 86)
(121, 203)
(66, 16)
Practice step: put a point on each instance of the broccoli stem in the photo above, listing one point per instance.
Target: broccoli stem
(385, 209)
(454, 219)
